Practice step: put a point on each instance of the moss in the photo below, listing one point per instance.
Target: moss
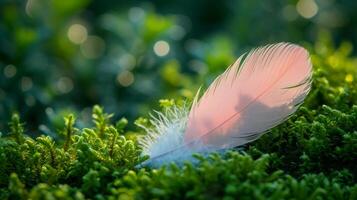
(312, 155)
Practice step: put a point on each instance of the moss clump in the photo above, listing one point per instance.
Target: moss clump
(88, 159)
(311, 156)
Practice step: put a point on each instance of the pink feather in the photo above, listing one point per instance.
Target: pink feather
(257, 93)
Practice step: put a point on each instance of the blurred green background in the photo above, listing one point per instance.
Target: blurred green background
(60, 56)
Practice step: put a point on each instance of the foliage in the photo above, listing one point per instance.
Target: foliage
(63, 56)
(60, 57)
(88, 158)
(311, 156)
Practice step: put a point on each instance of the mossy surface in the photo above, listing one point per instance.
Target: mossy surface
(312, 155)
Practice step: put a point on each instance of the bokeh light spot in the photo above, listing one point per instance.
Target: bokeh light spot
(136, 14)
(64, 85)
(198, 66)
(30, 100)
(161, 48)
(289, 13)
(10, 71)
(307, 8)
(77, 33)
(93, 47)
(26, 83)
(349, 78)
(127, 61)
(31, 6)
(125, 78)
(177, 32)
(49, 111)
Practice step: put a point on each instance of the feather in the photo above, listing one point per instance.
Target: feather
(258, 92)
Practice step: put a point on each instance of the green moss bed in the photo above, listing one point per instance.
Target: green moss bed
(313, 155)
